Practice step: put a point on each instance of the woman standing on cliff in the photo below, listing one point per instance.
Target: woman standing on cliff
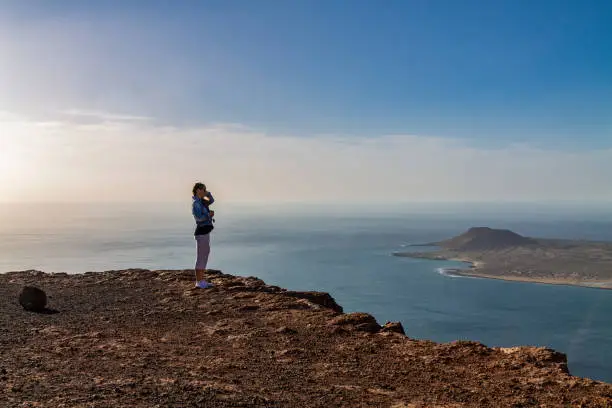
(203, 216)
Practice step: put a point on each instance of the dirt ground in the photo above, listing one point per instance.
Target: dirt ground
(140, 338)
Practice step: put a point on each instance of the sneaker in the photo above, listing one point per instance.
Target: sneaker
(203, 284)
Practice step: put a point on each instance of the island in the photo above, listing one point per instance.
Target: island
(504, 254)
(141, 338)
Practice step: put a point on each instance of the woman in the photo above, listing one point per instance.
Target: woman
(202, 199)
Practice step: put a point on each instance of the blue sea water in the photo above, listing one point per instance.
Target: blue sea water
(347, 253)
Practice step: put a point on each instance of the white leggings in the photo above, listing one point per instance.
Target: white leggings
(203, 250)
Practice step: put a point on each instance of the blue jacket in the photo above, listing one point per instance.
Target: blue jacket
(200, 212)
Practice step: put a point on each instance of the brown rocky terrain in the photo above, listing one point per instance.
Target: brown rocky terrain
(503, 254)
(141, 338)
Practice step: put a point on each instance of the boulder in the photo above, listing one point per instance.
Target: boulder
(538, 356)
(395, 327)
(357, 321)
(318, 298)
(33, 299)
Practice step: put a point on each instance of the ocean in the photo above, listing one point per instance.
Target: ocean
(344, 251)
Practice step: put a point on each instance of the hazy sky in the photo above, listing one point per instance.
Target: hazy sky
(306, 100)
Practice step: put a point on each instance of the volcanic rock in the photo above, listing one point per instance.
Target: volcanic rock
(484, 238)
(33, 299)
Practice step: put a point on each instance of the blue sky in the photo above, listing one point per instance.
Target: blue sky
(458, 80)
(491, 71)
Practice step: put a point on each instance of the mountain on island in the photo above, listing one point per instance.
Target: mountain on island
(485, 239)
(503, 254)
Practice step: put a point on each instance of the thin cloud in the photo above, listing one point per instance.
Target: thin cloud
(105, 116)
(124, 161)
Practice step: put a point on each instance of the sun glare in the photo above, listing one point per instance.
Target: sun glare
(13, 166)
(9, 168)
(8, 159)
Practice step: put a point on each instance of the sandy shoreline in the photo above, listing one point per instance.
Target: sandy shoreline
(472, 271)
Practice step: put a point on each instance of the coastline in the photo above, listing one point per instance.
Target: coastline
(473, 267)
